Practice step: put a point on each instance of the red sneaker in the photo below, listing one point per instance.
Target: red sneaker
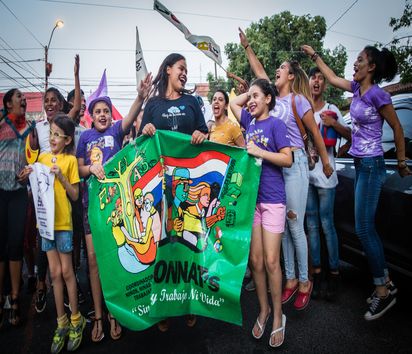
(288, 293)
(302, 299)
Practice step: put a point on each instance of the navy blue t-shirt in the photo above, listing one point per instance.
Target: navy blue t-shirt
(182, 115)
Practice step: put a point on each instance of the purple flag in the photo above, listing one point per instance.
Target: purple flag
(100, 91)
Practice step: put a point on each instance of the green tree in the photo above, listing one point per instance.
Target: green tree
(401, 46)
(215, 84)
(278, 38)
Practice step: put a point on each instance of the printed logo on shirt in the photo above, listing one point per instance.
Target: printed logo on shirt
(102, 142)
(257, 137)
(281, 110)
(173, 114)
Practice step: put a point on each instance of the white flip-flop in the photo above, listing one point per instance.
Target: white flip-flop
(260, 326)
(280, 329)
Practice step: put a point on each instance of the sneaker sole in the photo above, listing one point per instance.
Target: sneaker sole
(81, 339)
(380, 314)
(393, 292)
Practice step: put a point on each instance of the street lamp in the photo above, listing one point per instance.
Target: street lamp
(48, 66)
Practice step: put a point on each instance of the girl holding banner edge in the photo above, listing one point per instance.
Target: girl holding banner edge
(163, 111)
(292, 85)
(95, 147)
(266, 139)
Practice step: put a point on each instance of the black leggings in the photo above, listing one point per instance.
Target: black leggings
(13, 211)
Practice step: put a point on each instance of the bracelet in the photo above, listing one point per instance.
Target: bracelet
(314, 56)
(246, 46)
(402, 164)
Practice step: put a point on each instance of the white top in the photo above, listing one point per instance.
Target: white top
(316, 176)
(77, 132)
(43, 132)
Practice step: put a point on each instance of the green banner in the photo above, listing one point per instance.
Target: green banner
(171, 226)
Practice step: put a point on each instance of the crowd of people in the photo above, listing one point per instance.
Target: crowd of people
(272, 122)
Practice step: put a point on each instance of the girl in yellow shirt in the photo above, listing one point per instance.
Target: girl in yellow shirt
(224, 131)
(59, 251)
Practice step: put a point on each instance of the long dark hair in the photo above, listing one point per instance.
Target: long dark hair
(224, 93)
(68, 127)
(162, 78)
(60, 98)
(267, 89)
(386, 66)
(8, 96)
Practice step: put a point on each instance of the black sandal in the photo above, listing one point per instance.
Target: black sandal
(14, 317)
(99, 325)
(114, 328)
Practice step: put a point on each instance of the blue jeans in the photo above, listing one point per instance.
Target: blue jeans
(320, 207)
(63, 242)
(370, 176)
(294, 239)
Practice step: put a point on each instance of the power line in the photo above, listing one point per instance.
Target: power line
(19, 56)
(8, 61)
(20, 74)
(25, 61)
(10, 78)
(28, 30)
(354, 36)
(145, 9)
(344, 13)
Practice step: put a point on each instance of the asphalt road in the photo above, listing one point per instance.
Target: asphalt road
(324, 327)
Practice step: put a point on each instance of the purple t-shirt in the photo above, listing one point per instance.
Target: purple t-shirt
(98, 147)
(366, 120)
(269, 134)
(283, 110)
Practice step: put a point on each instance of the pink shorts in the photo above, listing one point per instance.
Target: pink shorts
(270, 216)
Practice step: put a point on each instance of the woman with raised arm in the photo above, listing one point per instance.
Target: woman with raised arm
(292, 85)
(370, 106)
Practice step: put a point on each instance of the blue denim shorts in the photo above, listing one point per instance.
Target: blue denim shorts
(63, 241)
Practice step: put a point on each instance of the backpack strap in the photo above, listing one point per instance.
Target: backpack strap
(299, 121)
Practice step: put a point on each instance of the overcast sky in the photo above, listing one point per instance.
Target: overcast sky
(103, 33)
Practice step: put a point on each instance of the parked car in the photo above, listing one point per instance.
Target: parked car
(394, 214)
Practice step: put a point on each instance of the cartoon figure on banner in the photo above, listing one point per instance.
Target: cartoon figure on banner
(200, 215)
(180, 191)
(136, 228)
(150, 219)
(126, 253)
(191, 213)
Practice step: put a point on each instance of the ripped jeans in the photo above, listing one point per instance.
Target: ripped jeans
(294, 238)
